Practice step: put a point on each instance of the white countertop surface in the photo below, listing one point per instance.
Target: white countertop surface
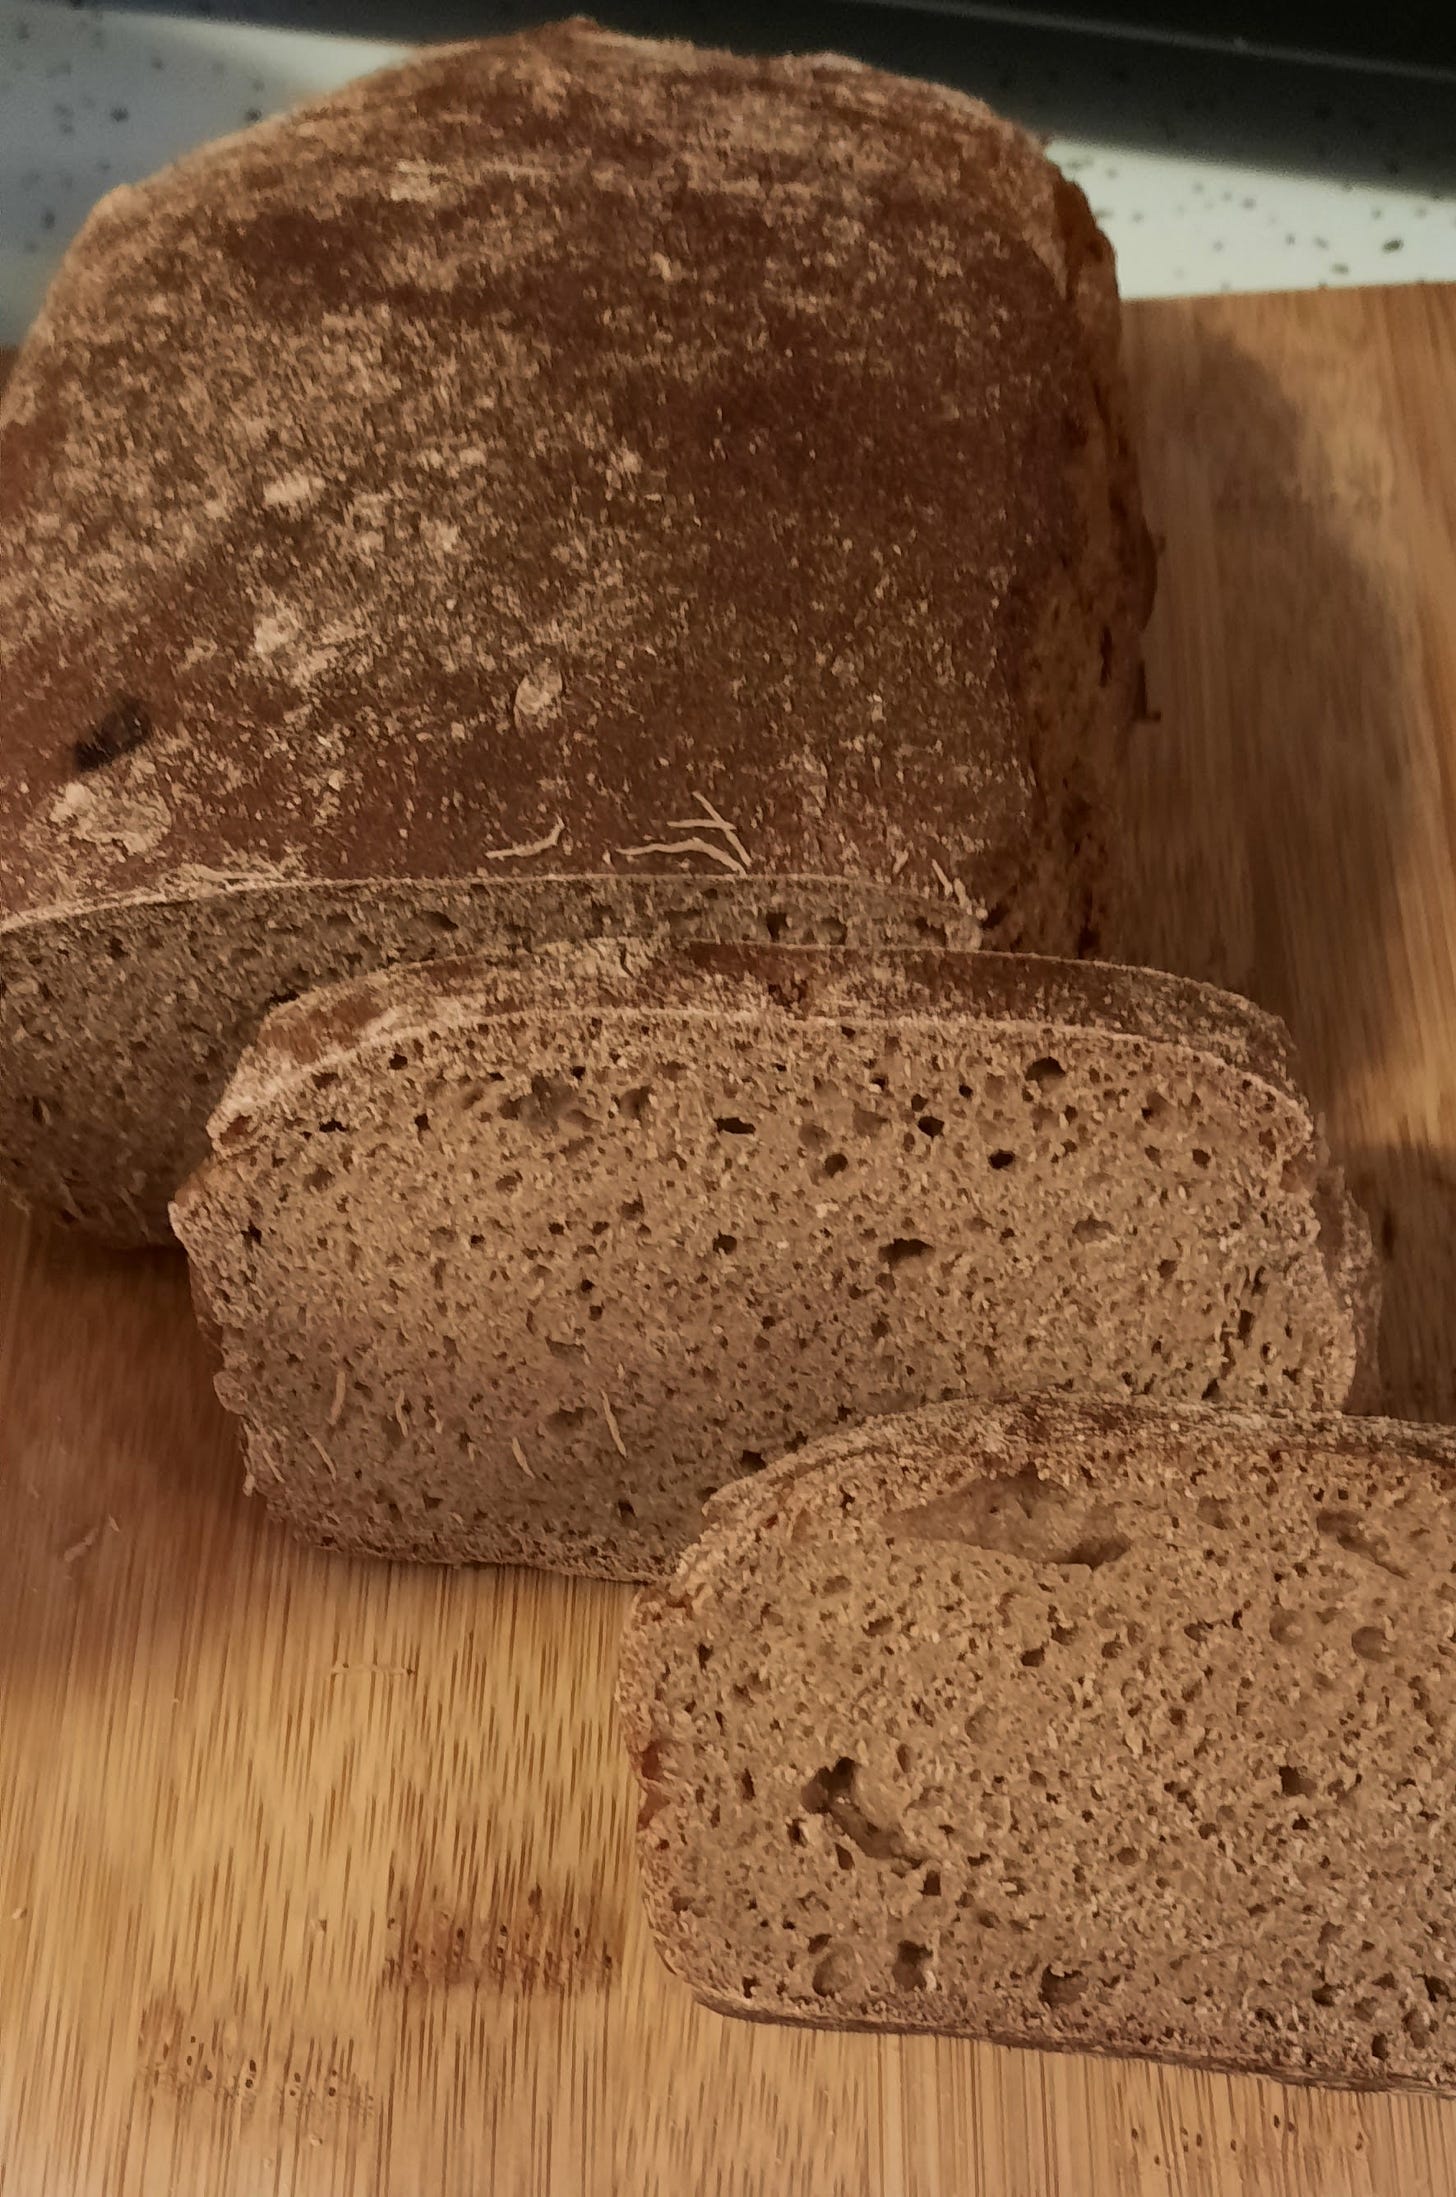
(1336, 180)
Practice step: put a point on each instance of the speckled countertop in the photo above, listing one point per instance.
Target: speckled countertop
(1209, 172)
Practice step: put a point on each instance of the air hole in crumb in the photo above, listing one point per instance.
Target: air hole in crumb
(733, 1125)
(829, 1972)
(399, 1060)
(566, 1417)
(1345, 1529)
(1001, 1158)
(775, 922)
(1370, 1644)
(1091, 1230)
(1046, 1072)
(1034, 1658)
(905, 1758)
(835, 1792)
(836, 1163)
(1060, 1986)
(911, 1969)
(633, 1104)
(1323, 1994)
(930, 1884)
(752, 1460)
(745, 1784)
(1199, 1156)
(878, 1627)
(1020, 1514)
(625, 1509)
(930, 1125)
(422, 1123)
(901, 1249)
(1294, 1782)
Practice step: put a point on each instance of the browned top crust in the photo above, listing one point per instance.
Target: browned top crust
(544, 443)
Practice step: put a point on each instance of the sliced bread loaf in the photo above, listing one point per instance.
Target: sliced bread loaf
(561, 458)
(521, 1264)
(1113, 1727)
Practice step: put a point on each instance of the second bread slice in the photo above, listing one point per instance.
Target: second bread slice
(522, 1264)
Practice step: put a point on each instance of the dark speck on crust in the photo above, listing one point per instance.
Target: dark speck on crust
(126, 725)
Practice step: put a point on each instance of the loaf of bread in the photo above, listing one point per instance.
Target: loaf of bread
(520, 1264)
(559, 480)
(1113, 1727)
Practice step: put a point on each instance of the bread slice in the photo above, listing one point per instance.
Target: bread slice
(522, 1264)
(1118, 1728)
(563, 460)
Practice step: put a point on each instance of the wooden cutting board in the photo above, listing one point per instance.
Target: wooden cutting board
(315, 1876)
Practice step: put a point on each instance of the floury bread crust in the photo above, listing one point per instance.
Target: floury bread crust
(520, 1265)
(1111, 1728)
(561, 459)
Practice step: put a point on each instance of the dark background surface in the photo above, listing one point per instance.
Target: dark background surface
(1294, 105)
(1406, 35)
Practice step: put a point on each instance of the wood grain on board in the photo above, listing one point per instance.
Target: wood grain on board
(315, 1876)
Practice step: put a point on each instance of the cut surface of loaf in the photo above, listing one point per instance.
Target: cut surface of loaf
(104, 1098)
(561, 458)
(522, 1264)
(1118, 1728)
